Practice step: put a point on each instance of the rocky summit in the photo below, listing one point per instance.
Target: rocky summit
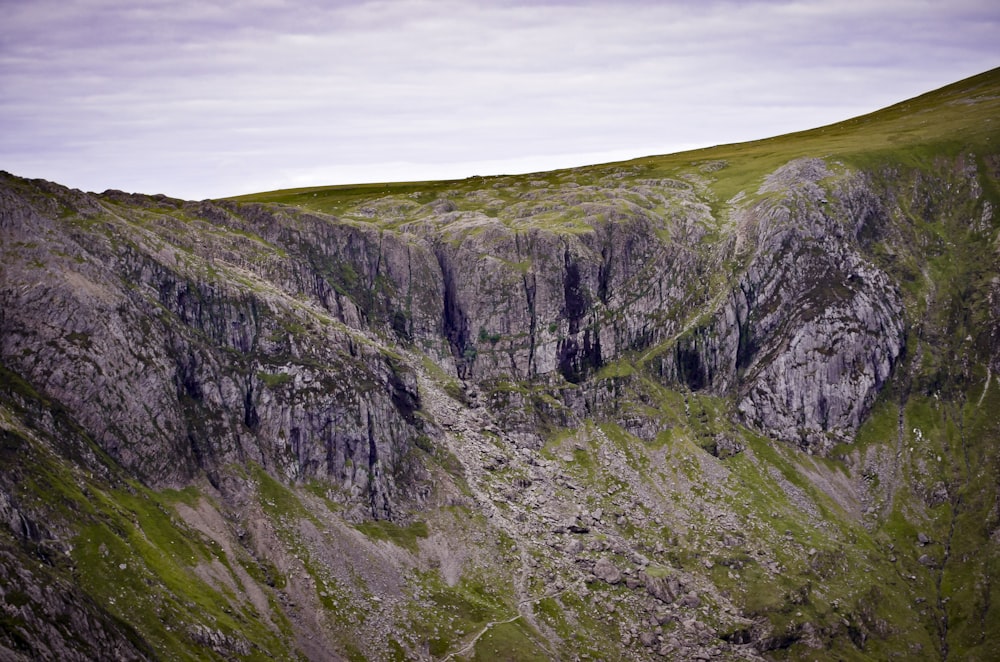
(731, 404)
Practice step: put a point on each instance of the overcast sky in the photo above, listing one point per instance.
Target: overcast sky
(207, 99)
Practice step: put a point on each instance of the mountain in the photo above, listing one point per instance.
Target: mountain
(737, 403)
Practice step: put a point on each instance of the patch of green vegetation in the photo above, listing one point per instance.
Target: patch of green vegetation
(277, 500)
(510, 641)
(449, 383)
(630, 447)
(615, 369)
(264, 572)
(912, 131)
(322, 489)
(189, 495)
(487, 337)
(274, 380)
(586, 632)
(424, 443)
(454, 613)
(402, 536)
(138, 561)
(655, 570)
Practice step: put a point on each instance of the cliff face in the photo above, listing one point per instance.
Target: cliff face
(483, 407)
(184, 371)
(175, 372)
(819, 327)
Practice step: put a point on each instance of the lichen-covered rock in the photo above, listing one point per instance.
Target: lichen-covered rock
(227, 371)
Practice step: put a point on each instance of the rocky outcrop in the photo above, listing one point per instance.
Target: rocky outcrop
(46, 618)
(175, 370)
(225, 320)
(824, 326)
(812, 330)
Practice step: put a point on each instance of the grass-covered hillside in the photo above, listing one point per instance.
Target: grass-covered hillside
(959, 118)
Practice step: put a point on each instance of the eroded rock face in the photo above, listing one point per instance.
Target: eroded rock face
(174, 372)
(812, 329)
(820, 327)
(524, 300)
(49, 619)
(175, 369)
(806, 338)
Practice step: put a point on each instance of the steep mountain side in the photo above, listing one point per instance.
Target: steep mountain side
(728, 404)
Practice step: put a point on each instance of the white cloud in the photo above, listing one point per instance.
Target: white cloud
(211, 98)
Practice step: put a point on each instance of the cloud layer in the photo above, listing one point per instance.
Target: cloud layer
(200, 99)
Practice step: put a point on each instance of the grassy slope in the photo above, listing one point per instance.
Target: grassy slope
(961, 116)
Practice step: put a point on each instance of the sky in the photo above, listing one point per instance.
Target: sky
(204, 98)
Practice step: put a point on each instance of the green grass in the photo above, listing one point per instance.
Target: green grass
(406, 537)
(138, 561)
(279, 501)
(452, 614)
(510, 641)
(946, 121)
(274, 380)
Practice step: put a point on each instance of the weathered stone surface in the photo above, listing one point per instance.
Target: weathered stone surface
(664, 589)
(50, 619)
(607, 571)
(691, 600)
(813, 329)
(174, 372)
(806, 339)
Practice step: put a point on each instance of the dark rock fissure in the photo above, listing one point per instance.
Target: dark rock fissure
(454, 322)
(250, 416)
(604, 271)
(690, 368)
(529, 295)
(380, 507)
(746, 347)
(573, 294)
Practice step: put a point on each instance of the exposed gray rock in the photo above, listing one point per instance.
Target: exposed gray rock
(174, 373)
(691, 600)
(664, 589)
(606, 571)
(812, 331)
(46, 618)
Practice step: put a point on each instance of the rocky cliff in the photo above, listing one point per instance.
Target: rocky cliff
(727, 404)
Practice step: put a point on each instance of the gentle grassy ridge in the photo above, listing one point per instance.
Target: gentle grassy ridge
(960, 117)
